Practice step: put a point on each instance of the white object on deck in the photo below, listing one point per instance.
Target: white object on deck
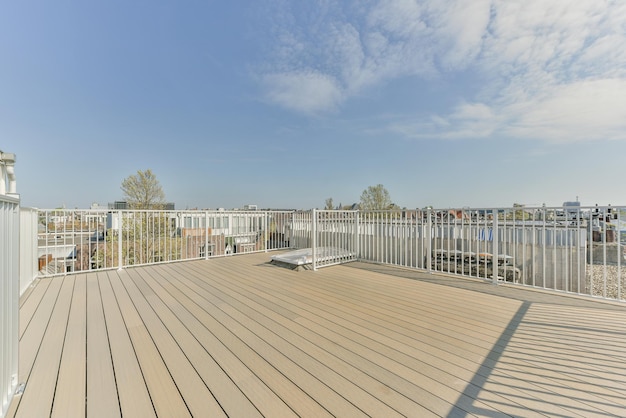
(302, 257)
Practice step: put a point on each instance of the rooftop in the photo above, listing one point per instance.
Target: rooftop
(236, 336)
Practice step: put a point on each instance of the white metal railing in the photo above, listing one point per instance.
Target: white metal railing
(570, 249)
(302, 229)
(578, 250)
(334, 237)
(9, 297)
(393, 237)
(28, 247)
(79, 240)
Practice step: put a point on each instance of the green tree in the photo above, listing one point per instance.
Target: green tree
(376, 198)
(143, 191)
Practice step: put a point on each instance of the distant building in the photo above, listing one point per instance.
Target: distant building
(571, 209)
(575, 204)
(118, 205)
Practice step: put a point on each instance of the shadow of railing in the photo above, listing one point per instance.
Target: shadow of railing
(553, 364)
(553, 355)
(477, 383)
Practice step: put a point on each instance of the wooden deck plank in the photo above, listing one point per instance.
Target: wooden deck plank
(344, 382)
(310, 317)
(221, 360)
(39, 393)
(102, 397)
(562, 358)
(384, 378)
(580, 382)
(359, 314)
(191, 387)
(554, 410)
(256, 318)
(226, 397)
(220, 336)
(537, 384)
(31, 338)
(316, 388)
(165, 395)
(401, 320)
(576, 394)
(345, 341)
(33, 324)
(131, 387)
(29, 303)
(69, 398)
(381, 383)
(439, 312)
(509, 332)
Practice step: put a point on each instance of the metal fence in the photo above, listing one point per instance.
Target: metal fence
(28, 247)
(578, 250)
(570, 249)
(9, 298)
(334, 237)
(393, 237)
(79, 240)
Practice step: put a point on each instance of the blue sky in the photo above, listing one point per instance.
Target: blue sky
(283, 104)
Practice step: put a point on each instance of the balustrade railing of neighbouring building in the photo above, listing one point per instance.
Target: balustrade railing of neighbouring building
(571, 249)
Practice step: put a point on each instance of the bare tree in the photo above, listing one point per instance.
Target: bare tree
(376, 198)
(143, 191)
(329, 204)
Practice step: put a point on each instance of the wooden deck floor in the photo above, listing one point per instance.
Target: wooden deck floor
(239, 337)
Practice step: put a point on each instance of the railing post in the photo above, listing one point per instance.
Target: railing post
(120, 264)
(9, 280)
(206, 235)
(265, 241)
(357, 241)
(429, 240)
(495, 236)
(314, 238)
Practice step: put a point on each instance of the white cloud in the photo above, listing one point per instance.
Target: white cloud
(307, 92)
(401, 19)
(374, 45)
(470, 111)
(555, 70)
(580, 111)
(460, 29)
(468, 120)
